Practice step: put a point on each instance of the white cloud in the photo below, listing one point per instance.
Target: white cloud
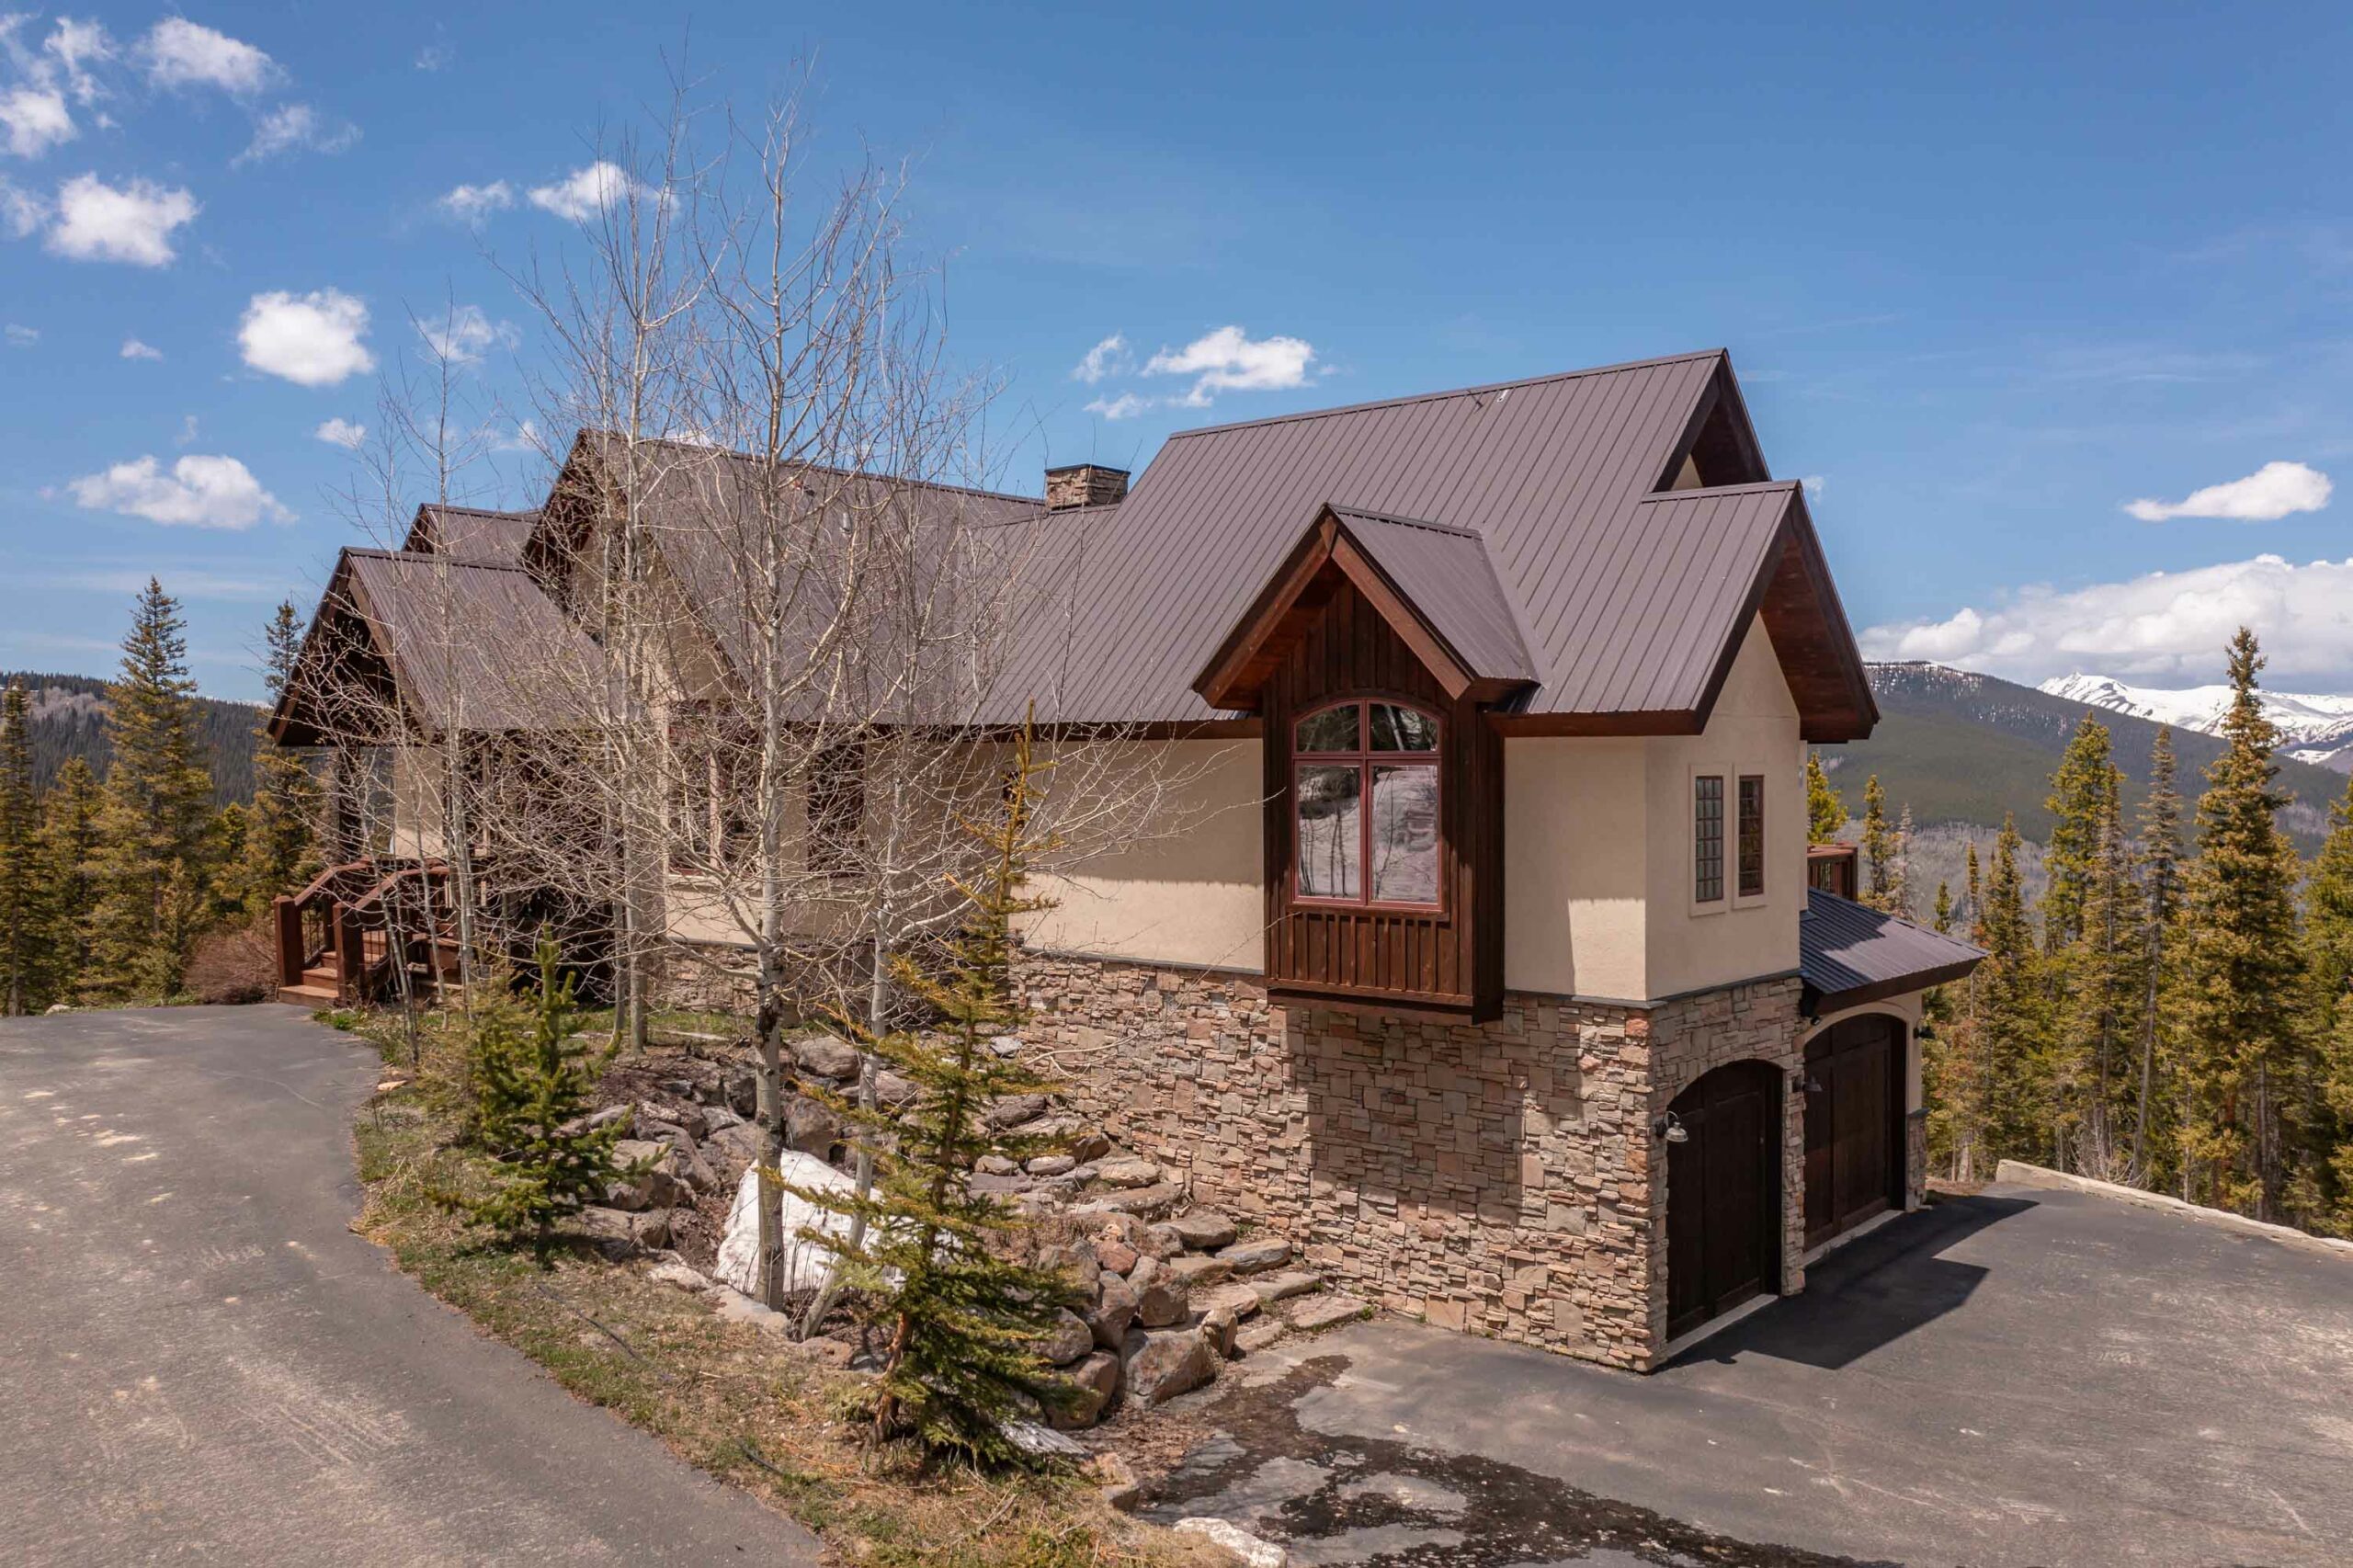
(2266, 495)
(181, 53)
(2160, 626)
(1814, 485)
(21, 336)
(198, 491)
(134, 349)
(96, 221)
(1230, 360)
(293, 128)
(310, 339)
(21, 213)
(341, 432)
(523, 437)
(1109, 357)
(36, 120)
(472, 203)
(76, 46)
(436, 55)
(187, 437)
(464, 334)
(1127, 405)
(585, 192)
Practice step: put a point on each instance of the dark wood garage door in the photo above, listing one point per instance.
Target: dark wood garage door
(1723, 1194)
(1854, 1119)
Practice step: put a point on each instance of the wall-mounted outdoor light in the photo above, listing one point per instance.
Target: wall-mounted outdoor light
(1669, 1129)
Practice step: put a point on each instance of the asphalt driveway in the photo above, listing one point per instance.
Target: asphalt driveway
(2026, 1377)
(199, 1363)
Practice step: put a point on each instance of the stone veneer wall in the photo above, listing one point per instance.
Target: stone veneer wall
(1693, 1036)
(1495, 1178)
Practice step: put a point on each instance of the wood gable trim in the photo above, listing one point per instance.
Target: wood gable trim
(1296, 592)
(343, 601)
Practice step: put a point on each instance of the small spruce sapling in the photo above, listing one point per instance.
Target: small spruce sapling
(960, 1318)
(534, 1085)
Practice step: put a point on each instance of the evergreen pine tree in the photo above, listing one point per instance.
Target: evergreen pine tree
(1973, 898)
(2241, 965)
(1899, 892)
(2082, 796)
(23, 912)
(960, 1320)
(1879, 848)
(1825, 814)
(151, 863)
(2102, 995)
(2328, 962)
(2011, 1015)
(66, 854)
(2160, 834)
(1940, 921)
(532, 1096)
(281, 837)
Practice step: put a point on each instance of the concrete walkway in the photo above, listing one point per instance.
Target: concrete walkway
(2026, 1377)
(201, 1363)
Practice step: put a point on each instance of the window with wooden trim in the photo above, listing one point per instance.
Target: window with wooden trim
(837, 808)
(1750, 841)
(1707, 837)
(713, 800)
(1365, 805)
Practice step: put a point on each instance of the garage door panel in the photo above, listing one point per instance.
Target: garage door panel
(1851, 1114)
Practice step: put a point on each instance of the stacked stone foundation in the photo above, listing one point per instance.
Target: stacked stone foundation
(1497, 1178)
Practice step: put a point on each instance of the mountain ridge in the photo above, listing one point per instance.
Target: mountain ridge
(1965, 748)
(2314, 728)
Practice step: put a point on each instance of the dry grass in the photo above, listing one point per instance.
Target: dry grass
(728, 1398)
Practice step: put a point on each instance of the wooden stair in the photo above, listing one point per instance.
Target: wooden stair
(321, 987)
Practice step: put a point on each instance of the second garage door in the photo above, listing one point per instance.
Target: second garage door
(1854, 1115)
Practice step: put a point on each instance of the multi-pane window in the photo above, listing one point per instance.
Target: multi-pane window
(1751, 840)
(1364, 804)
(836, 805)
(1707, 837)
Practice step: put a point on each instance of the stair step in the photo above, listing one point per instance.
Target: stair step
(308, 996)
(324, 974)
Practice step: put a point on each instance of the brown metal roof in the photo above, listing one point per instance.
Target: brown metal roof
(1446, 575)
(470, 533)
(1629, 607)
(473, 645)
(1849, 954)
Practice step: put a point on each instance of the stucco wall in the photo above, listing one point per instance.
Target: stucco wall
(1754, 729)
(1189, 890)
(1596, 859)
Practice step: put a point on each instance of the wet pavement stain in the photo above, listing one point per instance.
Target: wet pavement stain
(1382, 1503)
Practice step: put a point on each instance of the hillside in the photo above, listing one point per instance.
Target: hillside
(69, 720)
(1960, 747)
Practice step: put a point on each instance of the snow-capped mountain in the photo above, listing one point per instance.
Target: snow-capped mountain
(2314, 729)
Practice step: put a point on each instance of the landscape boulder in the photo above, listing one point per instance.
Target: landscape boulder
(1203, 1230)
(1256, 1256)
(1253, 1552)
(1114, 1310)
(825, 1056)
(1069, 1339)
(1324, 1312)
(618, 1234)
(1199, 1271)
(1163, 1297)
(1087, 1386)
(810, 1128)
(805, 1262)
(1167, 1362)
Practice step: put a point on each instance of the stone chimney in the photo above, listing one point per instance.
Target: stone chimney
(1084, 485)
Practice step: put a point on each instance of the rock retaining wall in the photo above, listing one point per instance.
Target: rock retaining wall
(1495, 1178)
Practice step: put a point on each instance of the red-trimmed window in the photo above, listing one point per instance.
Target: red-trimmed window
(1346, 757)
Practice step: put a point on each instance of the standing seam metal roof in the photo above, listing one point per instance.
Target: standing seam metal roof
(1623, 606)
(1848, 952)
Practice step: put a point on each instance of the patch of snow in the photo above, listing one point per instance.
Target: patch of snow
(805, 1261)
(2314, 727)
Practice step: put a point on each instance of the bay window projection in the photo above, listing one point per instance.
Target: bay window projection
(1365, 805)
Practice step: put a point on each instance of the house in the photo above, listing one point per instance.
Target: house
(1483, 956)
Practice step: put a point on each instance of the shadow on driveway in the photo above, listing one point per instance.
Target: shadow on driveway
(1870, 1292)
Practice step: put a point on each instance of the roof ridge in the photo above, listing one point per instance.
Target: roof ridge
(477, 511)
(1754, 487)
(435, 557)
(1429, 523)
(822, 468)
(1456, 391)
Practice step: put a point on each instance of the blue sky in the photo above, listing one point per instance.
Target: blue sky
(1989, 275)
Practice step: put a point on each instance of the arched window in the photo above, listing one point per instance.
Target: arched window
(1347, 755)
